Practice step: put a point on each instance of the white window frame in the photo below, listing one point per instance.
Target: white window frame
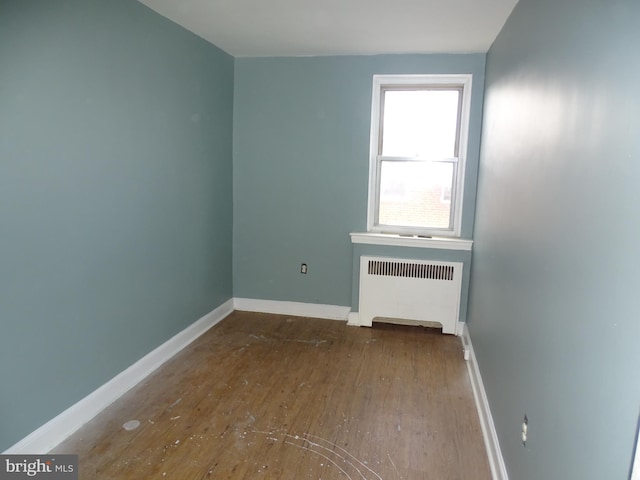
(381, 82)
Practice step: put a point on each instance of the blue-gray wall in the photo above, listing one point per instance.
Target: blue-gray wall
(553, 310)
(301, 168)
(115, 195)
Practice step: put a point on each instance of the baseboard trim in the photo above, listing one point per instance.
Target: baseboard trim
(353, 319)
(496, 461)
(57, 429)
(330, 312)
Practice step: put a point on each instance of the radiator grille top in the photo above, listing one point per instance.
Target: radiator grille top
(410, 270)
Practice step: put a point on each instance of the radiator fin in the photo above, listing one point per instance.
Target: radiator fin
(410, 270)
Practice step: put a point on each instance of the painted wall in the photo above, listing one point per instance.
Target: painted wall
(115, 195)
(301, 166)
(553, 310)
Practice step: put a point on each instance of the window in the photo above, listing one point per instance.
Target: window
(419, 126)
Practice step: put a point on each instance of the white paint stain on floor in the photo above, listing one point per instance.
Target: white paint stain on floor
(345, 462)
(131, 425)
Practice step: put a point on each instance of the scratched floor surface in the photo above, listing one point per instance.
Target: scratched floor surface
(275, 397)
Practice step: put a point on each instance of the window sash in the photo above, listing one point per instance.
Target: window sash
(402, 229)
(420, 88)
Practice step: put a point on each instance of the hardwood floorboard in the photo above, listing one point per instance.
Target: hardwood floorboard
(279, 397)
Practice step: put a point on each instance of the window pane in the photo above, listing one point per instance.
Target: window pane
(420, 123)
(416, 194)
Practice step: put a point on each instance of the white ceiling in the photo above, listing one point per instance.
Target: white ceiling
(264, 28)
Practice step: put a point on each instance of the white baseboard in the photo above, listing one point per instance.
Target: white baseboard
(353, 319)
(330, 312)
(56, 430)
(496, 461)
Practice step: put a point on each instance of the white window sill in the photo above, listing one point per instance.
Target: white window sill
(442, 243)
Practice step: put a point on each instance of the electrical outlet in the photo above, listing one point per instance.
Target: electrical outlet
(303, 268)
(525, 430)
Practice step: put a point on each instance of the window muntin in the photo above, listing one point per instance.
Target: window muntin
(418, 144)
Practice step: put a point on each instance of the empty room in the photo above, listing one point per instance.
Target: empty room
(287, 240)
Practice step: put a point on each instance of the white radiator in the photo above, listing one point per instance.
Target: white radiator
(410, 290)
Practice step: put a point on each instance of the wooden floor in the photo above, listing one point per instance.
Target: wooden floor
(274, 397)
